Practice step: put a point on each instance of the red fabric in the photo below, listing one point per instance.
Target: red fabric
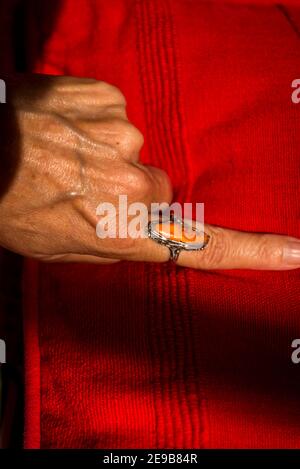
(142, 355)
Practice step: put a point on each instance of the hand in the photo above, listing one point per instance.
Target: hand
(76, 149)
(72, 148)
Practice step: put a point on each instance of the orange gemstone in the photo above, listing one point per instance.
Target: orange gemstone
(178, 232)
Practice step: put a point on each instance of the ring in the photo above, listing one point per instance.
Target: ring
(172, 233)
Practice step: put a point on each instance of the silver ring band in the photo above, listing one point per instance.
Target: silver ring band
(175, 247)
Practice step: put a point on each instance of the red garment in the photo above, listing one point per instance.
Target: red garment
(144, 355)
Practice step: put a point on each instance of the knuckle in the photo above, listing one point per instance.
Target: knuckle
(135, 140)
(139, 184)
(115, 95)
(127, 136)
(217, 251)
(116, 110)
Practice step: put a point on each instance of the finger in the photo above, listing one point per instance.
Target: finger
(83, 258)
(160, 187)
(91, 123)
(84, 97)
(116, 132)
(229, 249)
(79, 258)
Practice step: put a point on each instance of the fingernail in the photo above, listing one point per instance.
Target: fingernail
(291, 253)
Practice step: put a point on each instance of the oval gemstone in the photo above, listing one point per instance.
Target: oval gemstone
(180, 232)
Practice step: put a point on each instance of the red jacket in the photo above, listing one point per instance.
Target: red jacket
(144, 355)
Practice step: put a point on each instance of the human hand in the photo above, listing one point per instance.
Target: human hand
(77, 149)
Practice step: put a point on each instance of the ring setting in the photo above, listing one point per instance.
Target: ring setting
(177, 235)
